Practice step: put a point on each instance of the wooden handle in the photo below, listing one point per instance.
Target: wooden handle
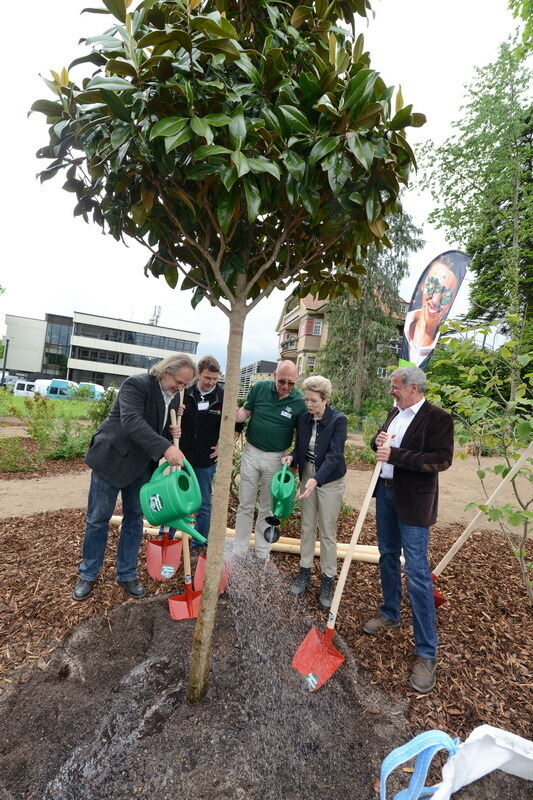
(470, 527)
(332, 615)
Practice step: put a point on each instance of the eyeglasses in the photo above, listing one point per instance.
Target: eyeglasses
(434, 286)
(284, 382)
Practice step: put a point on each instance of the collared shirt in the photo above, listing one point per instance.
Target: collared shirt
(398, 426)
(167, 398)
(273, 419)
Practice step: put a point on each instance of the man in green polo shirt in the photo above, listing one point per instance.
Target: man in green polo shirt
(272, 408)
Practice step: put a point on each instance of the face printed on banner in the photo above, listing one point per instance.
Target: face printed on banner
(439, 292)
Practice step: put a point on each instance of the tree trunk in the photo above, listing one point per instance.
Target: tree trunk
(360, 367)
(203, 632)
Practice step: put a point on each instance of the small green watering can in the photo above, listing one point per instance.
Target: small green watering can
(170, 499)
(282, 490)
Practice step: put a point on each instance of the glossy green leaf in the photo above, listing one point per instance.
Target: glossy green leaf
(300, 14)
(417, 120)
(113, 84)
(262, 164)
(171, 142)
(201, 128)
(169, 126)
(93, 58)
(295, 120)
(322, 148)
(228, 176)
(226, 46)
(217, 120)
(362, 149)
(237, 128)
(368, 117)
(207, 150)
(241, 163)
(339, 173)
(225, 209)
(358, 87)
(294, 163)
(253, 199)
(118, 67)
(373, 205)
(116, 105)
(117, 8)
(172, 40)
(171, 275)
(47, 107)
(401, 119)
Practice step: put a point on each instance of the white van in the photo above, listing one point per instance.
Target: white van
(23, 388)
(41, 386)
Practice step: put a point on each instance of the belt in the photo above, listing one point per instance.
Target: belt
(387, 482)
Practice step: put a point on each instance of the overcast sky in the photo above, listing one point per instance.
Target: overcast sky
(54, 263)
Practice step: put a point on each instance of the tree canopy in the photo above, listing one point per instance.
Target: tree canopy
(481, 183)
(359, 330)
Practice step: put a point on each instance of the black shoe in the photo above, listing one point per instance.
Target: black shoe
(303, 579)
(326, 593)
(134, 588)
(83, 589)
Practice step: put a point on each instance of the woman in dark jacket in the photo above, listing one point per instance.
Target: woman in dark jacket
(319, 456)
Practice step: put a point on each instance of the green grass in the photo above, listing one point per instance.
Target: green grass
(63, 409)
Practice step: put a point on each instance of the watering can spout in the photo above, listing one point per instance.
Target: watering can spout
(185, 526)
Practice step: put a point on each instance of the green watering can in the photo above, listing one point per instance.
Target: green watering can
(170, 499)
(282, 490)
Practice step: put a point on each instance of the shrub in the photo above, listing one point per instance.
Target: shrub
(71, 440)
(13, 456)
(99, 410)
(39, 420)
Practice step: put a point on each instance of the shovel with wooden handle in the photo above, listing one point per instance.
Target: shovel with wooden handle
(186, 605)
(445, 560)
(317, 658)
(163, 556)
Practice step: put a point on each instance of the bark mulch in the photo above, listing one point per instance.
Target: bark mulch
(485, 672)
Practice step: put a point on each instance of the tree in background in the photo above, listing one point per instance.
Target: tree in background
(360, 328)
(246, 145)
(523, 9)
(480, 180)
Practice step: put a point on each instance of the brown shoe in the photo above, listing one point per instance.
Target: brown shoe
(380, 623)
(424, 675)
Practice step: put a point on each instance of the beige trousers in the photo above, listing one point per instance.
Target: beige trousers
(257, 470)
(320, 509)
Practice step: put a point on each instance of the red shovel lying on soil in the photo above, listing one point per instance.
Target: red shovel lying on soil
(163, 556)
(316, 658)
(443, 563)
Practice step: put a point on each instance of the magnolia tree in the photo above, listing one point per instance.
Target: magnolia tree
(247, 145)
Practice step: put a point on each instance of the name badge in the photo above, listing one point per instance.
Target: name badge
(203, 405)
(286, 414)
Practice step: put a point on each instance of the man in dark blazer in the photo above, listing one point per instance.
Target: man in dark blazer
(123, 453)
(406, 505)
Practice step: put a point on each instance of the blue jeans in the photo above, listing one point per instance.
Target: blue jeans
(100, 508)
(203, 515)
(393, 535)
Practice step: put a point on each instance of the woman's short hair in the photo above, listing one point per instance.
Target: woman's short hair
(172, 364)
(209, 363)
(319, 384)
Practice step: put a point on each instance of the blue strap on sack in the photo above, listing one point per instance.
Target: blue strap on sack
(423, 747)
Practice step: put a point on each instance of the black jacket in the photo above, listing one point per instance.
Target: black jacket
(200, 429)
(132, 437)
(331, 434)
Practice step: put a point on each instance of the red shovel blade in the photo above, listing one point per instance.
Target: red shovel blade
(163, 558)
(200, 572)
(186, 605)
(438, 597)
(316, 658)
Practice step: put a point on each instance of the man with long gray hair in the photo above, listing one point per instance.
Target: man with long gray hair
(123, 453)
(406, 505)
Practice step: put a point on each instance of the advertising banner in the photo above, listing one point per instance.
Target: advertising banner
(430, 305)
